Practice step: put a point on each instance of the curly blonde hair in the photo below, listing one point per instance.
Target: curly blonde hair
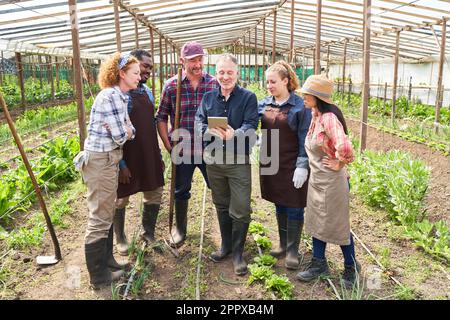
(284, 70)
(109, 70)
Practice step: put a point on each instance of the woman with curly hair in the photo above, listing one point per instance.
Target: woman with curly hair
(109, 128)
(283, 113)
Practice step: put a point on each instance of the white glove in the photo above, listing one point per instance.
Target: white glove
(300, 176)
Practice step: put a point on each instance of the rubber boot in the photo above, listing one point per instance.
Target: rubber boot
(239, 235)
(226, 225)
(96, 262)
(149, 217)
(282, 234)
(317, 268)
(179, 232)
(119, 226)
(112, 263)
(349, 275)
(294, 233)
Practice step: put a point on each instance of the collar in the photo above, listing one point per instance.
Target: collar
(122, 95)
(290, 100)
(184, 76)
(235, 89)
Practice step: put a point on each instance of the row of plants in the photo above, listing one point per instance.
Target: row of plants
(37, 119)
(52, 170)
(397, 183)
(35, 93)
(261, 271)
(414, 120)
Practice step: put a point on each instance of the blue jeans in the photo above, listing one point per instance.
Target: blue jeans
(183, 180)
(292, 213)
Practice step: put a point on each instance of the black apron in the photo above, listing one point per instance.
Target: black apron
(142, 154)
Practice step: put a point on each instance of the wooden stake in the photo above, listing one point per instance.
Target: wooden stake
(274, 39)
(152, 50)
(317, 47)
(33, 178)
(366, 75)
(21, 78)
(394, 85)
(440, 89)
(78, 73)
(117, 25)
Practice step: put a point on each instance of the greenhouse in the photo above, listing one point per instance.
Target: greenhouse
(348, 99)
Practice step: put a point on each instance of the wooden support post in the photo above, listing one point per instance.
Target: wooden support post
(161, 65)
(344, 65)
(303, 66)
(317, 47)
(274, 38)
(2, 70)
(152, 51)
(440, 89)
(174, 59)
(264, 54)
(245, 60)
(77, 71)
(256, 55)
(136, 32)
(249, 57)
(291, 47)
(20, 78)
(366, 76)
(57, 73)
(52, 82)
(117, 25)
(394, 84)
(41, 83)
(328, 59)
(166, 61)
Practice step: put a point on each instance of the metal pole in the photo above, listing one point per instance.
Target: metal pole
(77, 72)
(366, 75)
(394, 85)
(249, 56)
(318, 26)
(344, 65)
(256, 55)
(440, 91)
(264, 54)
(161, 69)
(117, 24)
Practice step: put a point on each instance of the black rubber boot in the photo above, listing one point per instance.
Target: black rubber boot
(226, 226)
(112, 263)
(282, 234)
(294, 233)
(239, 235)
(149, 217)
(316, 268)
(179, 232)
(96, 262)
(349, 275)
(119, 230)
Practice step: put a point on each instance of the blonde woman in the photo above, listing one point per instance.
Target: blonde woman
(283, 111)
(329, 151)
(109, 128)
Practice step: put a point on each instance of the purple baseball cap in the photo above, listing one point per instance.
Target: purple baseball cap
(191, 50)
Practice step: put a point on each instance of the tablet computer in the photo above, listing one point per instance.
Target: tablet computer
(217, 122)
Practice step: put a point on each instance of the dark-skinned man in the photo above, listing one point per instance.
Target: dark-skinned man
(141, 168)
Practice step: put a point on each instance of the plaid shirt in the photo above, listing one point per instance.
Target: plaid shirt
(109, 108)
(190, 101)
(330, 135)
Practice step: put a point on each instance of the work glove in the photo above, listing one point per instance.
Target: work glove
(300, 176)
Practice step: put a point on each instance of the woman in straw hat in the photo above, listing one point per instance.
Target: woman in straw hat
(109, 128)
(329, 150)
(283, 112)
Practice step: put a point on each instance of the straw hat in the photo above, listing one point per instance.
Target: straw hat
(318, 86)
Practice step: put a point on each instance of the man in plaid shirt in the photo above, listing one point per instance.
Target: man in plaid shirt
(195, 83)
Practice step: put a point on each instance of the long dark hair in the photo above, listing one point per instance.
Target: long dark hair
(326, 107)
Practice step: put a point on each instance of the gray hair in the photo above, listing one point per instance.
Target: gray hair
(227, 57)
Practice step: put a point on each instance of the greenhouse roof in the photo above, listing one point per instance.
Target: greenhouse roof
(44, 26)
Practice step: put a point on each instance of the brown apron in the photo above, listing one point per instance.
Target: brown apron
(279, 188)
(142, 154)
(327, 215)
